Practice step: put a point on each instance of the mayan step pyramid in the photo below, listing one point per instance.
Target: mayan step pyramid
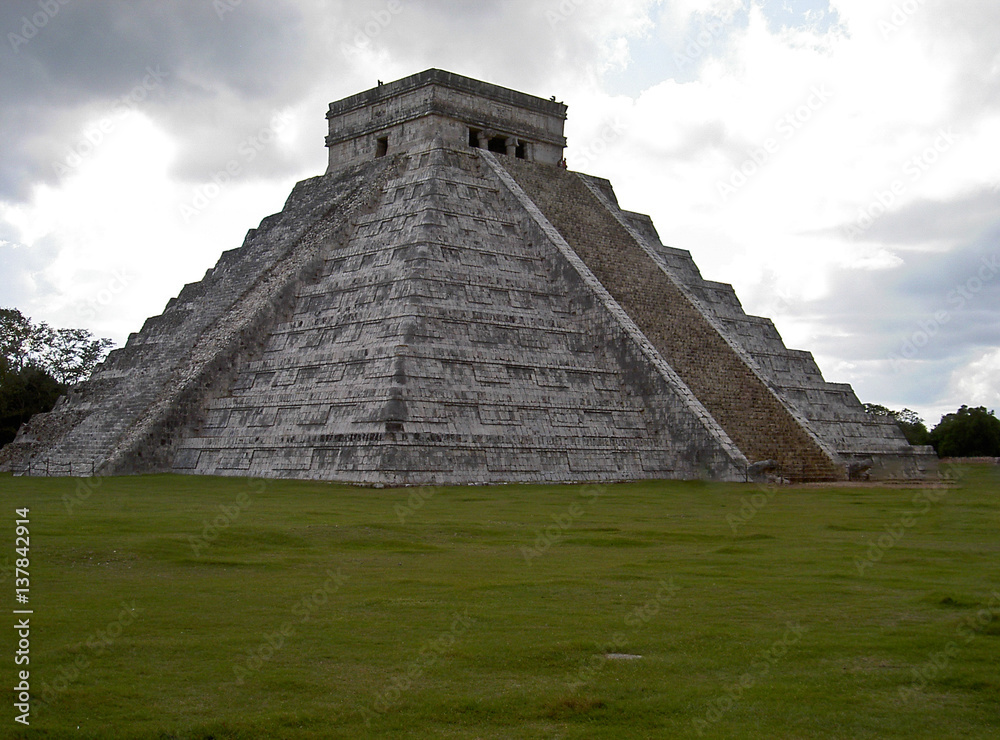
(447, 304)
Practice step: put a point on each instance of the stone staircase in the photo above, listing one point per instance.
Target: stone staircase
(737, 397)
(129, 416)
(874, 444)
(441, 343)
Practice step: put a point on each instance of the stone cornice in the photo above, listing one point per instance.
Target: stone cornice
(449, 80)
(499, 124)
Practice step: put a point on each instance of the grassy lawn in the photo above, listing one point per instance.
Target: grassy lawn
(184, 607)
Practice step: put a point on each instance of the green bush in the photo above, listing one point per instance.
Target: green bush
(967, 433)
(24, 393)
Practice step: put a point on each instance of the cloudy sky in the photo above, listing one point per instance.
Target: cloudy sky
(837, 161)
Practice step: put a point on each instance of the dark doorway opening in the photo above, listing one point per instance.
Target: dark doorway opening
(498, 144)
(474, 138)
(522, 150)
(382, 146)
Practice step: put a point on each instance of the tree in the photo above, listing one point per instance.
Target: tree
(16, 332)
(878, 410)
(70, 354)
(37, 364)
(22, 395)
(913, 427)
(967, 433)
(909, 422)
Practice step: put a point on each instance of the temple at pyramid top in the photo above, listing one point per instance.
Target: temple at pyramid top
(401, 115)
(447, 305)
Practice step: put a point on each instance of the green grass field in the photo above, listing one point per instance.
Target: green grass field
(184, 607)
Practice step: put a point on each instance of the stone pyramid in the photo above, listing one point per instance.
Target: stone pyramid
(447, 304)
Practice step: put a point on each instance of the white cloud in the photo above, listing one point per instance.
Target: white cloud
(976, 384)
(122, 246)
(682, 10)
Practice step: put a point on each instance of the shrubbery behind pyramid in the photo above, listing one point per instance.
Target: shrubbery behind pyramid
(448, 305)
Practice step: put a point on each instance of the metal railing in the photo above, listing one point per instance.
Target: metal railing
(49, 468)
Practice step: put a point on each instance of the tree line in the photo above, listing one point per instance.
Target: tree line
(969, 432)
(38, 364)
